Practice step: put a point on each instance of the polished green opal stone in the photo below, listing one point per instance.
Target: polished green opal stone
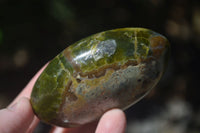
(111, 69)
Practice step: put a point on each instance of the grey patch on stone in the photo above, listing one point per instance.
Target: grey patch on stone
(105, 48)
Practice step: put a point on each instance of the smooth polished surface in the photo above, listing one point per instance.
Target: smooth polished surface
(111, 69)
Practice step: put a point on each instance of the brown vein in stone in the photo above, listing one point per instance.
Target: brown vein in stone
(158, 45)
(102, 70)
(68, 94)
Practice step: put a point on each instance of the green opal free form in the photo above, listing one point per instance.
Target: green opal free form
(111, 69)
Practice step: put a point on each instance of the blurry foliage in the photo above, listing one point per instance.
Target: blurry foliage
(32, 32)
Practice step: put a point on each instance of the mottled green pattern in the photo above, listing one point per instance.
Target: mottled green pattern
(132, 44)
(48, 90)
(111, 69)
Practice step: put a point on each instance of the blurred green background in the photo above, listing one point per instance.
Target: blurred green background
(32, 32)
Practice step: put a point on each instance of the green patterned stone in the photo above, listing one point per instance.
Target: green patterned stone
(111, 69)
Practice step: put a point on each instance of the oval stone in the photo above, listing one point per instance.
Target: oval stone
(111, 69)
